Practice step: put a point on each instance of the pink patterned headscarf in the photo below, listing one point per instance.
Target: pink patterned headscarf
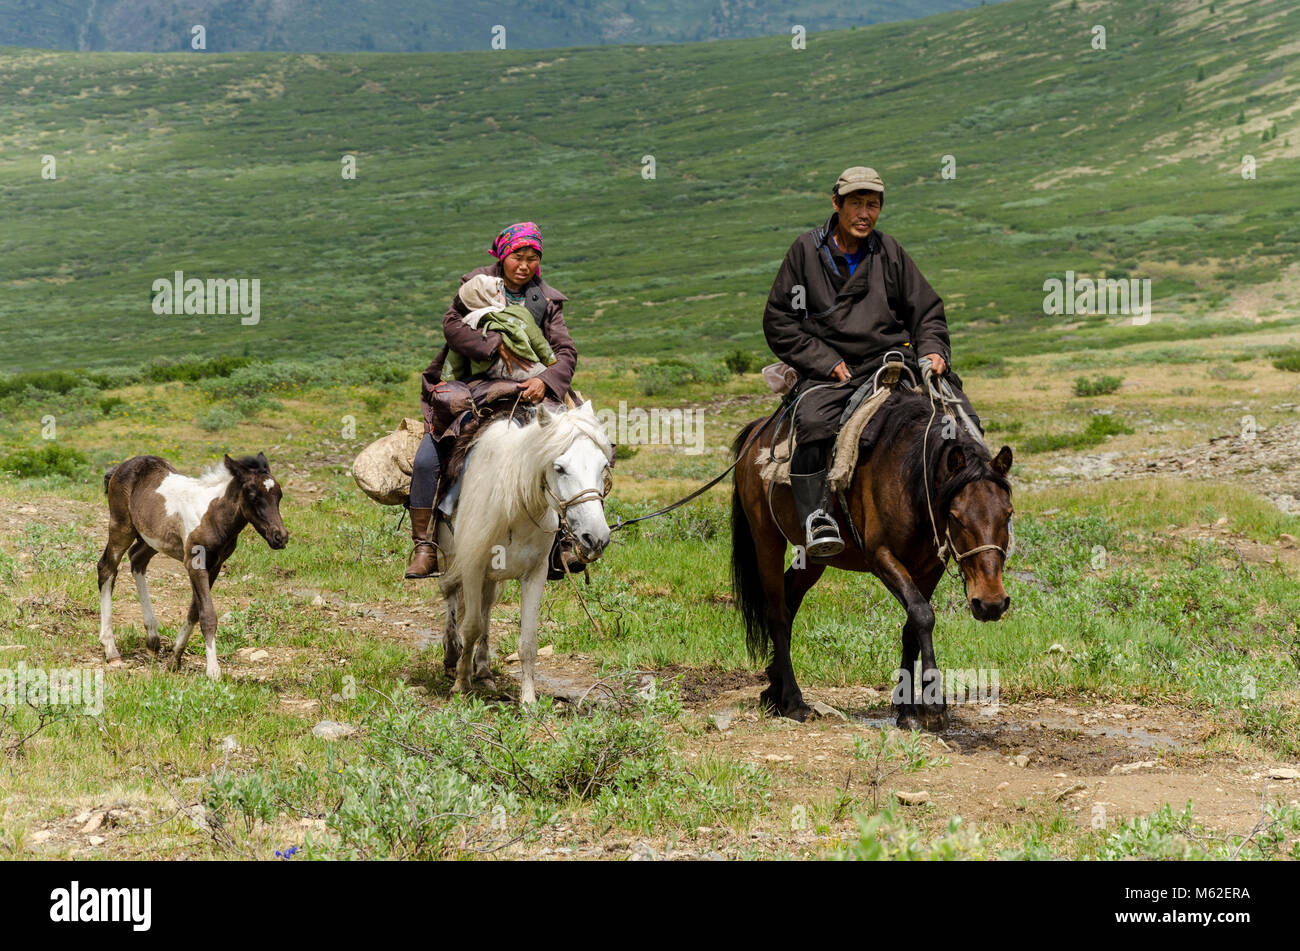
(525, 234)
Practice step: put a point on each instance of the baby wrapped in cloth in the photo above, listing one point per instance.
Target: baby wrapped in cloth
(484, 295)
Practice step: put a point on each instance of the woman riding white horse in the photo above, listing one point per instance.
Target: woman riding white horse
(518, 253)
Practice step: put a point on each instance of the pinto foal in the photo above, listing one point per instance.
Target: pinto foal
(153, 508)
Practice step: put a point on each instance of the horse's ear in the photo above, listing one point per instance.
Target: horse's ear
(261, 457)
(1002, 461)
(231, 465)
(956, 461)
(544, 416)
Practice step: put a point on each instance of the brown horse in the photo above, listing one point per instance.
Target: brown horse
(909, 472)
(153, 508)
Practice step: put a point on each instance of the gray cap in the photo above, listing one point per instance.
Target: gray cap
(859, 178)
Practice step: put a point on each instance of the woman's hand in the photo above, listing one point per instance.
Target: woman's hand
(532, 391)
(512, 360)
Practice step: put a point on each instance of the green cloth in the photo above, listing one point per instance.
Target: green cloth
(519, 332)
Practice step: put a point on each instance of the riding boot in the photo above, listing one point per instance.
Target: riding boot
(424, 558)
(812, 504)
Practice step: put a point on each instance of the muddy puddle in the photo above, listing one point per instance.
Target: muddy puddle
(1048, 740)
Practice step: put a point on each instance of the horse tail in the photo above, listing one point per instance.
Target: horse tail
(746, 586)
(108, 474)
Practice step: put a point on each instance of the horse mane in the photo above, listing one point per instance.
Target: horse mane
(217, 472)
(505, 483)
(906, 415)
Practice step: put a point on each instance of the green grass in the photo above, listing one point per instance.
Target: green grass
(227, 164)
(1097, 386)
(1095, 433)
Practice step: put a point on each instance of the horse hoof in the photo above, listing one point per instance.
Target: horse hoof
(935, 721)
(799, 712)
(115, 663)
(907, 719)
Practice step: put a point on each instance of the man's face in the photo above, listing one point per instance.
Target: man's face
(520, 266)
(858, 212)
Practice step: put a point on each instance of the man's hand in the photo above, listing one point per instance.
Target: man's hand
(840, 372)
(936, 363)
(532, 391)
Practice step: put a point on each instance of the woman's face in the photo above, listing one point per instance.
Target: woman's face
(519, 267)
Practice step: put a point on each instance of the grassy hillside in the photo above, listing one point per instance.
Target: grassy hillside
(419, 25)
(1124, 160)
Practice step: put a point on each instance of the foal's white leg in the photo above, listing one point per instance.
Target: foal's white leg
(146, 608)
(119, 540)
(531, 587)
(106, 624)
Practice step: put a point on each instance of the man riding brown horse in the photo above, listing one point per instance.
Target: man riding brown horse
(518, 253)
(845, 295)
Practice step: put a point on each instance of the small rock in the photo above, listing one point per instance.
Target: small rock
(258, 656)
(93, 824)
(778, 758)
(329, 730)
(825, 711)
(642, 852)
(317, 601)
(42, 835)
(225, 618)
(230, 744)
(1220, 522)
(1284, 772)
(1056, 649)
(1020, 759)
(83, 817)
(714, 857)
(721, 720)
(1286, 541)
(547, 651)
(1060, 776)
(1126, 768)
(912, 798)
(96, 840)
(1070, 790)
(1002, 785)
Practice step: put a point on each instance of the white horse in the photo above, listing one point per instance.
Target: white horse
(521, 484)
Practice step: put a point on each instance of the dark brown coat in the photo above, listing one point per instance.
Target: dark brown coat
(886, 304)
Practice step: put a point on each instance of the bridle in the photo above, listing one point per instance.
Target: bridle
(942, 393)
(562, 506)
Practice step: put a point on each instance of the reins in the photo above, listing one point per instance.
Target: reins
(712, 482)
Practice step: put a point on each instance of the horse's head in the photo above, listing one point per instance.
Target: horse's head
(979, 531)
(578, 479)
(259, 497)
